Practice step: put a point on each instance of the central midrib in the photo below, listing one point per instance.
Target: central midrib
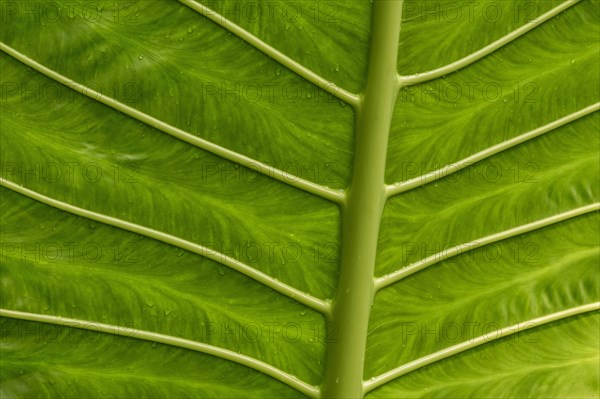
(362, 210)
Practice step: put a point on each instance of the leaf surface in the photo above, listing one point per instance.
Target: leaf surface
(178, 180)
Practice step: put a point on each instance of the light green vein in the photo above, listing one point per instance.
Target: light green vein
(398, 188)
(278, 56)
(336, 196)
(291, 292)
(376, 382)
(490, 48)
(244, 360)
(389, 279)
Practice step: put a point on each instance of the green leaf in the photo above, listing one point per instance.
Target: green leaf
(300, 199)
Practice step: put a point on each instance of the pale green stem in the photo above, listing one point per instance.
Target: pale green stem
(361, 215)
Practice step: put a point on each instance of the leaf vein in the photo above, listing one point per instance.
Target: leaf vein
(222, 353)
(490, 48)
(376, 382)
(291, 292)
(398, 188)
(389, 279)
(278, 56)
(336, 196)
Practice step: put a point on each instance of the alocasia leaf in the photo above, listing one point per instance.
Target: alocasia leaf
(300, 199)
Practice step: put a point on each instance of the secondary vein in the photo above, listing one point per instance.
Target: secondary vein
(389, 279)
(490, 48)
(222, 353)
(289, 291)
(398, 188)
(277, 55)
(472, 343)
(336, 196)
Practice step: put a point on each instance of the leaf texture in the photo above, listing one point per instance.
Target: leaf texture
(178, 178)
